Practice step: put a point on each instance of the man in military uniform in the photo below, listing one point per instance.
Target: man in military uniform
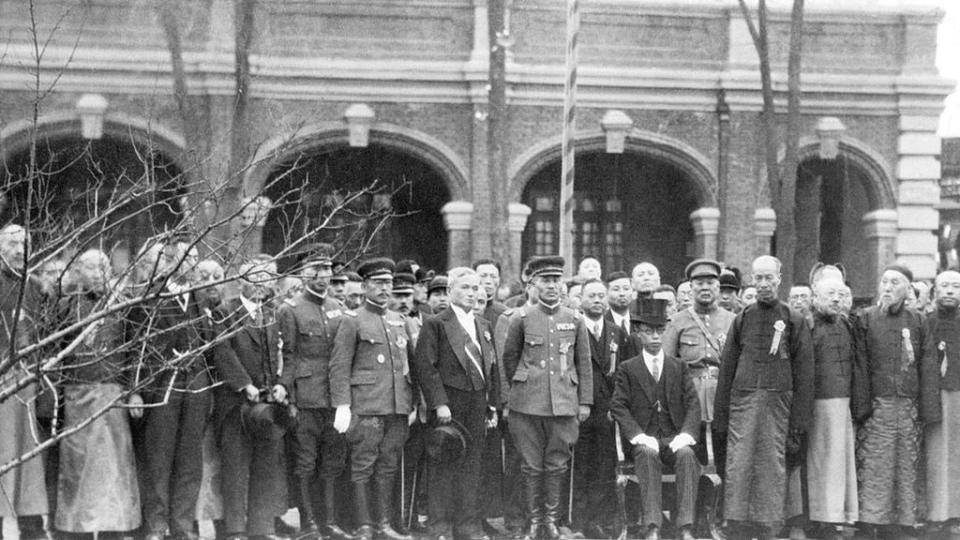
(547, 361)
(308, 324)
(696, 335)
(371, 389)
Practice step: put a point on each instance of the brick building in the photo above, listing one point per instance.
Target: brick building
(676, 80)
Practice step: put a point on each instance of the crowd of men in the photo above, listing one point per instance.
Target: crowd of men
(387, 400)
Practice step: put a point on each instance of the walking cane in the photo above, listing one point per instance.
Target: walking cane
(573, 463)
(403, 484)
(413, 498)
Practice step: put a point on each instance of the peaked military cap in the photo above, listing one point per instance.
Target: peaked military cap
(319, 253)
(546, 266)
(728, 280)
(403, 282)
(702, 268)
(379, 267)
(438, 283)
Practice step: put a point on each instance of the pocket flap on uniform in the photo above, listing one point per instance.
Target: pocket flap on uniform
(690, 340)
(533, 340)
(521, 375)
(363, 378)
(304, 370)
(370, 336)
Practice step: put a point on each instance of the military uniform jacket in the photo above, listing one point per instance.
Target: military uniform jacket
(370, 369)
(308, 326)
(546, 358)
(748, 363)
(684, 338)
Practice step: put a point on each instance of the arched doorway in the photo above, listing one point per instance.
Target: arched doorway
(630, 207)
(833, 197)
(306, 187)
(111, 193)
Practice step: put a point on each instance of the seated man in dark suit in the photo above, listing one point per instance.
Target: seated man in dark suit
(655, 403)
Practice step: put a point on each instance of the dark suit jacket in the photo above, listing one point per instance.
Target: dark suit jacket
(611, 345)
(250, 358)
(631, 341)
(493, 311)
(441, 359)
(635, 396)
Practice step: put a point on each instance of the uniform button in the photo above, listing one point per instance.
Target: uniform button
(551, 373)
(543, 364)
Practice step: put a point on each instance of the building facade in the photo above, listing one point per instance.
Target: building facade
(669, 159)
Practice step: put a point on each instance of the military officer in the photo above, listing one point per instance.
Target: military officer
(547, 361)
(370, 383)
(696, 335)
(308, 323)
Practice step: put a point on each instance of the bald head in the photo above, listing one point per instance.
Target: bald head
(947, 290)
(766, 277)
(92, 271)
(645, 278)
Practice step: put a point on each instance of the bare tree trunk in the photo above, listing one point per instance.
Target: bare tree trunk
(786, 222)
(497, 136)
(243, 38)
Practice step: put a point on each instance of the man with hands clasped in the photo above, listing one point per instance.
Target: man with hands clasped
(655, 403)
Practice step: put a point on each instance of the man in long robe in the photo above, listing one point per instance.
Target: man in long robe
(831, 465)
(23, 490)
(97, 487)
(763, 402)
(943, 438)
(901, 362)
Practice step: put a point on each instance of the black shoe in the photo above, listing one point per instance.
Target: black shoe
(364, 532)
(653, 533)
(383, 502)
(685, 533)
(332, 531)
(282, 528)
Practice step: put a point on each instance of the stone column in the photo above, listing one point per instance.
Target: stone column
(764, 225)
(517, 222)
(880, 230)
(918, 173)
(457, 219)
(706, 229)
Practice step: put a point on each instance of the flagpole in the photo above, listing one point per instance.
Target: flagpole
(569, 126)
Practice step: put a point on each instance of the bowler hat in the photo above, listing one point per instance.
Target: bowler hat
(268, 421)
(446, 443)
(651, 311)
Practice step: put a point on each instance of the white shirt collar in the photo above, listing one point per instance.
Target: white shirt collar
(619, 319)
(467, 320)
(595, 326)
(253, 308)
(649, 358)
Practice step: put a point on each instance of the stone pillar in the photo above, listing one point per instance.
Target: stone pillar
(764, 225)
(918, 173)
(517, 222)
(706, 229)
(880, 230)
(457, 219)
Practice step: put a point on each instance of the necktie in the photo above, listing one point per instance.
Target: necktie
(656, 368)
(623, 324)
(596, 330)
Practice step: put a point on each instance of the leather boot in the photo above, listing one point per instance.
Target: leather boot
(553, 486)
(361, 502)
(534, 511)
(308, 525)
(330, 529)
(384, 502)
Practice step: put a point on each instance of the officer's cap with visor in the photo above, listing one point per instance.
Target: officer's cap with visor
(439, 283)
(546, 266)
(380, 267)
(319, 254)
(702, 268)
(403, 283)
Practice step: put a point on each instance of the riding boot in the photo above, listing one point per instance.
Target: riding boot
(361, 502)
(330, 529)
(384, 500)
(308, 525)
(534, 510)
(553, 485)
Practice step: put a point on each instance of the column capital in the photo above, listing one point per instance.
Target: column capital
(457, 215)
(518, 217)
(880, 223)
(764, 222)
(705, 220)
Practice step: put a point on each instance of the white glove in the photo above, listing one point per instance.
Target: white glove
(279, 393)
(681, 440)
(646, 440)
(252, 393)
(341, 419)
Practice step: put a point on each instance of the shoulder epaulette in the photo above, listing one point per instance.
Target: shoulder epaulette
(507, 312)
(290, 302)
(577, 315)
(350, 312)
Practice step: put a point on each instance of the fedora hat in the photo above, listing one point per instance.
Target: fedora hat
(268, 421)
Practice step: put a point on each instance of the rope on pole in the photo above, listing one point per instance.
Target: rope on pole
(569, 127)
